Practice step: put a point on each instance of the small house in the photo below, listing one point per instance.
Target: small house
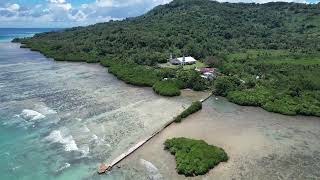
(183, 60)
(208, 73)
(175, 61)
(206, 70)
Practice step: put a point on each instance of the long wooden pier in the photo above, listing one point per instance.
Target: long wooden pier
(107, 167)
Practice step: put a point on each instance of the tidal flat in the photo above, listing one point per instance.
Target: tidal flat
(260, 144)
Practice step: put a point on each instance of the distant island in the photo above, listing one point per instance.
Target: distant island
(265, 55)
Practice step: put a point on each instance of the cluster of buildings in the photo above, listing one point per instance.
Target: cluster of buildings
(207, 73)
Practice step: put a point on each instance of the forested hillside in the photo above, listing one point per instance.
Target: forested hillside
(197, 27)
(269, 52)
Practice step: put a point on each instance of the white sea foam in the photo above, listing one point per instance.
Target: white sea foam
(1, 85)
(68, 141)
(85, 129)
(46, 110)
(94, 137)
(152, 170)
(65, 166)
(85, 150)
(78, 119)
(98, 141)
(31, 115)
(15, 168)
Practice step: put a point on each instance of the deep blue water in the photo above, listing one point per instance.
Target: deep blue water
(7, 34)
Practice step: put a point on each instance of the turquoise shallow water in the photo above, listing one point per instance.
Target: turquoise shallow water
(29, 148)
(59, 120)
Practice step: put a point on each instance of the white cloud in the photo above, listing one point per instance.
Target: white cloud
(119, 3)
(38, 6)
(62, 13)
(53, 13)
(56, 4)
(57, 1)
(104, 3)
(161, 1)
(13, 7)
(65, 6)
(84, 6)
(78, 16)
(46, 10)
(44, 18)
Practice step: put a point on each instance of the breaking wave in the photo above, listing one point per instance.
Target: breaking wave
(85, 129)
(85, 150)
(98, 141)
(94, 137)
(68, 141)
(46, 110)
(65, 166)
(31, 115)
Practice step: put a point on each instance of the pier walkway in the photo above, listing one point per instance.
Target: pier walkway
(107, 167)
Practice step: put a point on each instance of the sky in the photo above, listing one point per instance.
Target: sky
(69, 13)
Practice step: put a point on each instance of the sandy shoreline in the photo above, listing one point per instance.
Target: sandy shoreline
(261, 145)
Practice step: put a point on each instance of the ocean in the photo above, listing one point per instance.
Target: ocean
(7, 34)
(59, 120)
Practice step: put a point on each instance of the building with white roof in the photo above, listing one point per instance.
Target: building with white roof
(183, 60)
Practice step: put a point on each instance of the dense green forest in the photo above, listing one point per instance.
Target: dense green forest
(274, 80)
(269, 53)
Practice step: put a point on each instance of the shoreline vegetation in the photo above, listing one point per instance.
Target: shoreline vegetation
(165, 81)
(285, 88)
(268, 57)
(194, 157)
(168, 87)
(193, 108)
